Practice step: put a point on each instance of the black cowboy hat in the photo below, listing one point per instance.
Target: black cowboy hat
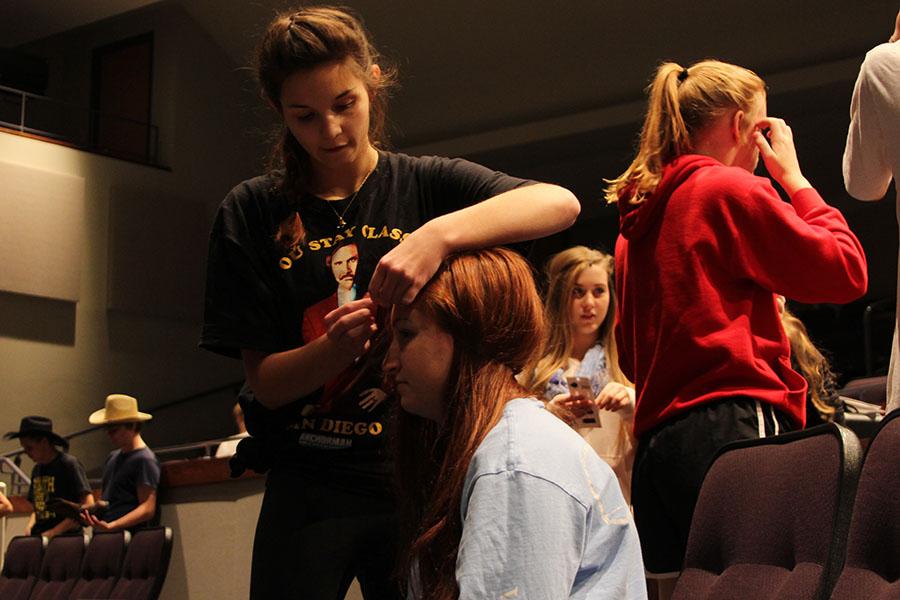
(38, 427)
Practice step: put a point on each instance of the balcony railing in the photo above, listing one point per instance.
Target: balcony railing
(78, 126)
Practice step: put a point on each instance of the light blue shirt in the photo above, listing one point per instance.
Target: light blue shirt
(543, 516)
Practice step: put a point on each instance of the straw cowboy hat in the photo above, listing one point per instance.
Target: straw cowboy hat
(38, 427)
(119, 409)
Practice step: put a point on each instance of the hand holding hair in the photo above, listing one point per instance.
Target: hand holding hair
(352, 325)
(405, 270)
(779, 154)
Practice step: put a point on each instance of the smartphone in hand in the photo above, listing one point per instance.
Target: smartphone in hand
(580, 389)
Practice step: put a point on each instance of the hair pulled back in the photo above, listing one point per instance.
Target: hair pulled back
(309, 37)
(682, 101)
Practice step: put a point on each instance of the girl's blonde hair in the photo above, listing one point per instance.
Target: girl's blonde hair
(562, 271)
(682, 101)
(812, 365)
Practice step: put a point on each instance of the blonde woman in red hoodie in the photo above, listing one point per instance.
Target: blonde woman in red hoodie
(704, 246)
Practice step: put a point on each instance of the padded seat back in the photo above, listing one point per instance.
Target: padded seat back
(772, 518)
(60, 568)
(872, 567)
(21, 566)
(146, 564)
(102, 565)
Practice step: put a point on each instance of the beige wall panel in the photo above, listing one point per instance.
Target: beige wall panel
(41, 232)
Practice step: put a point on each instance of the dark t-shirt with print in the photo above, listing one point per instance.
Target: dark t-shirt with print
(263, 296)
(63, 477)
(123, 474)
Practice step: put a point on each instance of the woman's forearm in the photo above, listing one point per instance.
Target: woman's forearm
(524, 213)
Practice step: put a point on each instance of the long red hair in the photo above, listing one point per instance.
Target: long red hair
(487, 301)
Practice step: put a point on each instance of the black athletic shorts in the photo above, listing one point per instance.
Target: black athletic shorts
(670, 464)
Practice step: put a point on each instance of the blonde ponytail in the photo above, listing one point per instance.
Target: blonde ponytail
(682, 101)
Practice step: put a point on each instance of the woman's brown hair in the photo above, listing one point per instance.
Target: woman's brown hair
(303, 39)
(487, 301)
(682, 101)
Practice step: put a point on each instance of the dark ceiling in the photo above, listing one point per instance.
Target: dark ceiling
(471, 66)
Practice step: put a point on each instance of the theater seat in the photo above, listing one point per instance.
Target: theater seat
(102, 565)
(872, 566)
(872, 390)
(145, 566)
(772, 518)
(21, 566)
(60, 567)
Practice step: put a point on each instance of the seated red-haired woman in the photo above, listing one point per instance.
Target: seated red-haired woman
(499, 497)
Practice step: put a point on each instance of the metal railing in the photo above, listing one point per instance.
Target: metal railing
(19, 480)
(205, 446)
(79, 126)
(18, 473)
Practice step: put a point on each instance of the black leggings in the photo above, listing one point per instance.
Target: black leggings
(312, 540)
(671, 462)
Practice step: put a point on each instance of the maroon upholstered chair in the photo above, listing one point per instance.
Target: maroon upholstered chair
(772, 518)
(868, 389)
(60, 567)
(102, 565)
(21, 566)
(146, 564)
(872, 567)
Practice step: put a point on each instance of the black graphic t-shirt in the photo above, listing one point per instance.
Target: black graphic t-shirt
(63, 477)
(261, 295)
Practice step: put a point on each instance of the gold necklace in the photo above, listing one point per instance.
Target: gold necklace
(341, 223)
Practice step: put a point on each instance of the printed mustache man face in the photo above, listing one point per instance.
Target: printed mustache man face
(343, 265)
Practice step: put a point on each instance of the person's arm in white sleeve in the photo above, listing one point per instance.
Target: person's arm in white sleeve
(867, 173)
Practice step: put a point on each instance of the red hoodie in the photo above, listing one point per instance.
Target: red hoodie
(697, 267)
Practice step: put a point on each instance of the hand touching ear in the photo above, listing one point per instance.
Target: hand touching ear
(779, 154)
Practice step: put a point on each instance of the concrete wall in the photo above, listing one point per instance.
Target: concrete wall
(136, 325)
(213, 526)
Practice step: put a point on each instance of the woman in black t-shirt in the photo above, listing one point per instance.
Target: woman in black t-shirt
(315, 246)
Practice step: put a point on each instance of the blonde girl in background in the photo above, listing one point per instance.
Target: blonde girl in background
(823, 403)
(580, 311)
